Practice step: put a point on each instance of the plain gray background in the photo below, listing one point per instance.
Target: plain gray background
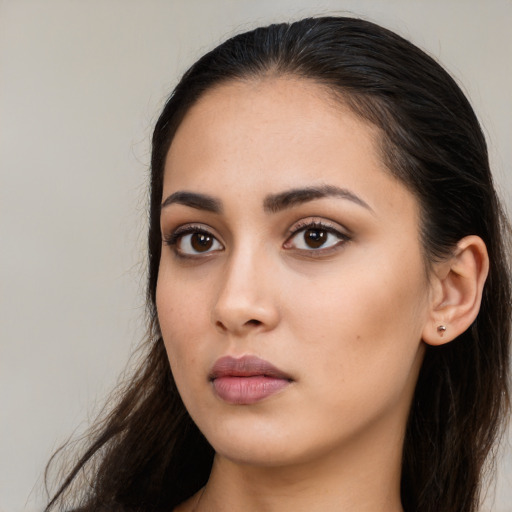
(81, 84)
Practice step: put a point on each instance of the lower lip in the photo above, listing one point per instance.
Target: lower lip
(247, 390)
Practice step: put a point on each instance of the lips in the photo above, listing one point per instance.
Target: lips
(246, 380)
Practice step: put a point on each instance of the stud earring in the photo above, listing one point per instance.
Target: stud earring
(441, 330)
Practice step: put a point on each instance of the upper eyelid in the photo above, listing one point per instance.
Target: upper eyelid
(174, 239)
(191, 227)
(317, 226)
(186, 229)
(328, 225)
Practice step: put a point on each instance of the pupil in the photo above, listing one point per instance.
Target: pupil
(315, 238)
(201, 242)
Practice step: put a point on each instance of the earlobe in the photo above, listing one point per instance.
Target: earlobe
(457, 291)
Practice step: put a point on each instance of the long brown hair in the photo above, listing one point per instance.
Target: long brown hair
(147, 454)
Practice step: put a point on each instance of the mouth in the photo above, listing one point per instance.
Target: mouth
(246, 380)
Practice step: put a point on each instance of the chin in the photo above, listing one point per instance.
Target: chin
(253, 442)
(260, 442)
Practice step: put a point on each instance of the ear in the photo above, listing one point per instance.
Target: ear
(456, 293)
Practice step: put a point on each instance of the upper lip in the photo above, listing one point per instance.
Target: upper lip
(245, 366)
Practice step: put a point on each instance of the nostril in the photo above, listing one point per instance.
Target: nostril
(221, 326)
(253, 322)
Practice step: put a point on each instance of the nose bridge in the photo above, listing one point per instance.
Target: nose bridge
(245, 300)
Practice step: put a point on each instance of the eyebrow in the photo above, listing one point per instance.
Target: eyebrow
(194, 200)
(290, 198)
(272, 204)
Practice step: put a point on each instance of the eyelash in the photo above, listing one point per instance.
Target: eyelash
(172, 240)
(306, 225)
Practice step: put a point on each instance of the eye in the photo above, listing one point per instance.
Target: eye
(193, 241)
(315, 237)
(197, 243)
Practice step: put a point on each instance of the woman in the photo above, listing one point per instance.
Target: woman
(330, 310)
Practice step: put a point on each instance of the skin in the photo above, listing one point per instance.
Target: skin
(345, 321)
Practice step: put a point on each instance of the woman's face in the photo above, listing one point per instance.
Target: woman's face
(292, 291)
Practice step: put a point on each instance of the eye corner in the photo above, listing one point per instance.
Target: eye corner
(322, 238)
(193, 242)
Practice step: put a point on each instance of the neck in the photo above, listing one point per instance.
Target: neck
(363, 477)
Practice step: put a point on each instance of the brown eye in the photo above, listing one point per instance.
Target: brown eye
(195, 243)
(201, 242)
(315, 238)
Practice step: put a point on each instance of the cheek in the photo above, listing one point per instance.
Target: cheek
(363, 329)
(181, 319)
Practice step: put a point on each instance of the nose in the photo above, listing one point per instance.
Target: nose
(247, 297)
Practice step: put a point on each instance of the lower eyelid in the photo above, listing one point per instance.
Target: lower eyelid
(179, 242)
(302, 227)
(176, 234)
(341, 241)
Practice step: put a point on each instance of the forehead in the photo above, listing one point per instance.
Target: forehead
(266, 135)
(274, 117)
